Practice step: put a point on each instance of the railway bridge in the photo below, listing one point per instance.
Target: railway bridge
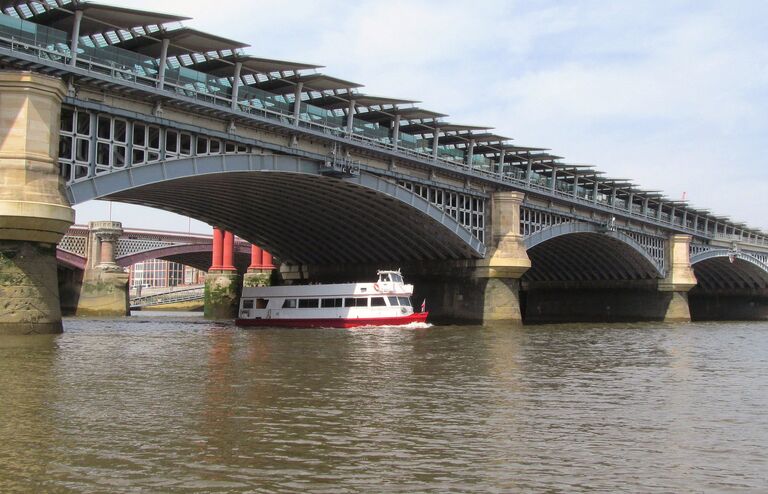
(104, 102)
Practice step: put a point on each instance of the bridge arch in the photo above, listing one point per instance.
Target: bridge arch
(579, 251)
(194, 255)
(287, 206)
(726, 269)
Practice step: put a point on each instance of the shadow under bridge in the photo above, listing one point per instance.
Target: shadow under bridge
(287, 206)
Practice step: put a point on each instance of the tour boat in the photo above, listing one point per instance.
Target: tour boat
(387, 302)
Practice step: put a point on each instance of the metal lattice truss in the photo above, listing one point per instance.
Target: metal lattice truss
(129, 246)
(74, 244)
(152, 57)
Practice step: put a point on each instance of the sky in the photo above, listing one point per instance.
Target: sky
(670, 94)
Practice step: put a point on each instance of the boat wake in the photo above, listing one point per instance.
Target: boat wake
(412, 325)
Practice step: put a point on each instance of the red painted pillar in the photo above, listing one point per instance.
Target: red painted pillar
(266, 260)
(255, 257)
(218, 240)
(228, 261)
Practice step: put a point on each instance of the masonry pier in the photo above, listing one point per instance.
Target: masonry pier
(222, 283)
(104, 290)
(34, 211)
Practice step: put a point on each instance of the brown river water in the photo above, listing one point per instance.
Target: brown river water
(177, 404)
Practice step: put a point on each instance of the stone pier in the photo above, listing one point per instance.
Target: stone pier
(104, 292)
(679, 280)
(222, 283)
(34, 211)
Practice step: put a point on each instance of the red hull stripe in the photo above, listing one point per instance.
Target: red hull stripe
(335, 323)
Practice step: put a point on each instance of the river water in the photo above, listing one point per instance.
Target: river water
(178, 404)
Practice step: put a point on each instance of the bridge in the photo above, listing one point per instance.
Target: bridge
(102, 102)
(168, 296)
(82, 251)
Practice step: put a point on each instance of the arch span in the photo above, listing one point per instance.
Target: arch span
(578, 251)
(194, 255)
(724, 269)
(285, 205)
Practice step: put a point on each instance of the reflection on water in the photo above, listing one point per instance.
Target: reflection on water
(177, 404)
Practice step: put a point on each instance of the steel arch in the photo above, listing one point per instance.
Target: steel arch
(118, 181)
(581, 227)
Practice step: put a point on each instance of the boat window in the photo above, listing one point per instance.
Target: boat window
(349, 302)
(328, 303)
(261, 303)
(309, 303)
(289, 303)
(396, 278)
(404, 301)
(384, 277)
(378, 302)
(248, 303)
(393, 301)
(356, 302)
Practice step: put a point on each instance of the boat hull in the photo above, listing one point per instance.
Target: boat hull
(334, 323)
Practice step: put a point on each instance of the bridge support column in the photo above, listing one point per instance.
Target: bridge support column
(34, 211)
(260, 271)
(104, 292)
(679, 280)
(222, 282)
(498, 275)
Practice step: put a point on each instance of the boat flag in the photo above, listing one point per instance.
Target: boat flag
(423, 305)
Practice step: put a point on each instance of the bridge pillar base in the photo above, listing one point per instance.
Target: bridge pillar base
(677, 308)
(498, 275)
(745, 306)
(104, 293)
(34, 211)
(257, 277)
(679, 280)
(221, 294)
(29, 292)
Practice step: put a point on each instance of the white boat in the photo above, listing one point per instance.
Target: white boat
(386, 302)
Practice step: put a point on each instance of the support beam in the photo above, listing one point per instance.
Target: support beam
(576, 185)
(471, 154)
(75, 40)
(351, 117)
(552, 185)
(396, 134)
(236, 84)
(297, 103)
(228, 256)
(595, 191)
(163, 63)
(435, 143)
(528, 171)
(502, 157)
(217, 249)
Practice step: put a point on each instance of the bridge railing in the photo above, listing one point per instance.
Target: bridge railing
(168, 297)
(126, 66)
